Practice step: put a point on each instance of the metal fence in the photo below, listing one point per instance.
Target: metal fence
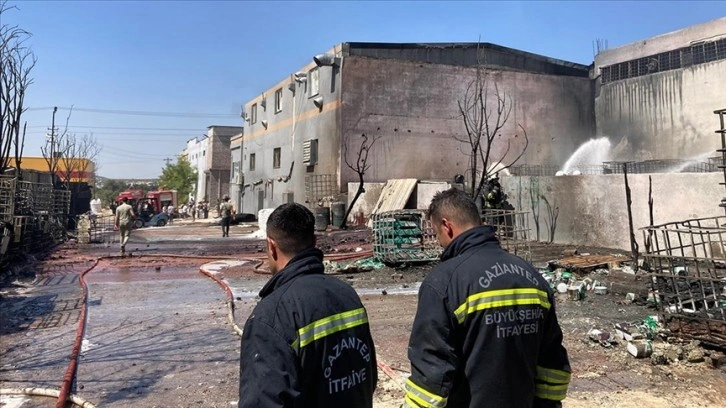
(512, 230)
(687, 264)
(616, 167)
(34, 216)
(319, 187)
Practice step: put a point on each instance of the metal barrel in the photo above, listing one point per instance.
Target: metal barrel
(338, 210)
(322, 218)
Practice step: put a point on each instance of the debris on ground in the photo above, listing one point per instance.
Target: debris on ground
(604, 338)
(353, 266)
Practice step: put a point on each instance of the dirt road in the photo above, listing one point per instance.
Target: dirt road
(158, 335)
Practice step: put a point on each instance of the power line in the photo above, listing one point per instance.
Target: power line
(145, 113)
(128, 128)
(135, 153)
(184, 135)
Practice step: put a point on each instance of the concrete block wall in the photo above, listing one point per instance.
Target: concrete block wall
(592, 208)
(413, 107)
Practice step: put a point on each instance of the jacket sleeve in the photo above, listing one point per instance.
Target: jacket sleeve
(553, 366)
(433, 359)
(268, 369)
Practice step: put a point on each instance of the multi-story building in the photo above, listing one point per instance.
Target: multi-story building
(211, 159)
(196, 154)
(407, 96)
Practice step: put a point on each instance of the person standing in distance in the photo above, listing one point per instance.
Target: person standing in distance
(124, 220)
(226, 210)
(485, 332)
(307, 342)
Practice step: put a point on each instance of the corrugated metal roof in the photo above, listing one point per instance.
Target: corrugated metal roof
(395, 195)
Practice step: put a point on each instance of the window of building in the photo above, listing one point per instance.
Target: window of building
(253, 114)
(252, 161)
(310, 152)
(314, 80)
(278, 100)
(276, 158)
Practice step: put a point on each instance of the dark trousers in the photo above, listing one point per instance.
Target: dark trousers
(225, 226)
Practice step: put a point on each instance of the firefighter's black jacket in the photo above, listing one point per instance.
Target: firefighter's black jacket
(307, 342)
(485, 333)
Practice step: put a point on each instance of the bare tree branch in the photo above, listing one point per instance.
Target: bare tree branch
(16, 63)
(361, 164)
(484, 124)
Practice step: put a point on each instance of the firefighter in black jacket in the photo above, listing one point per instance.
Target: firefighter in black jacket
(485, 332)
(307, 342)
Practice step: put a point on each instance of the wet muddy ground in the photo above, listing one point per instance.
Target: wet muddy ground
(158, 334)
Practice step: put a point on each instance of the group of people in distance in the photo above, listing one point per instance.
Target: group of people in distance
(124, 217)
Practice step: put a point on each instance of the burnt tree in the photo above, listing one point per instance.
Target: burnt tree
(358, 163)
(485, 113)
(16, 62)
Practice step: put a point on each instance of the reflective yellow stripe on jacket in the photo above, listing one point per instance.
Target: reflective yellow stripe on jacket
(501, 298)
(551, 384)
(417, 397)
(329, 325)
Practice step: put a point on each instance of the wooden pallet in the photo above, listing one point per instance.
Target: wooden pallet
(591, 261)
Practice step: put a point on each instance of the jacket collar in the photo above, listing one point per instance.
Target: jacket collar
(468, 239)
(307, 262)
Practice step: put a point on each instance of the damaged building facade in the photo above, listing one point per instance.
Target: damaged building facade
(407, 96)
(655, 101)
(661, 89)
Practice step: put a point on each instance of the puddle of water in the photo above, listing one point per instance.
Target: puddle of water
(125, 274)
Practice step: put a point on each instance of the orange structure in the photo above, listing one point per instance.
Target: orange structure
(71, 170)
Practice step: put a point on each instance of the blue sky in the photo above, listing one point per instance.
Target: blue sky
(210, 57)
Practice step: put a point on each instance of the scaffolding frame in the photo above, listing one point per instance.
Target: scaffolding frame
(511, 228)
(686, 261)
(319, 187)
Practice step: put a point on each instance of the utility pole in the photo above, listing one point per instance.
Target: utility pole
(52, 146)
(167, 161)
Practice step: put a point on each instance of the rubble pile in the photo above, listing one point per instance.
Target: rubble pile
(649, 338)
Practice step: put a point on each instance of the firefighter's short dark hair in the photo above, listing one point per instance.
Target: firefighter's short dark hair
(292, 226)
(455, 205)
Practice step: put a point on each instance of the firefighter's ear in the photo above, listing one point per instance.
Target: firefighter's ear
(272, 250)
(447, 227)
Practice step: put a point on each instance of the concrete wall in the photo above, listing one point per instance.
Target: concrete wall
(365, 203)
(298, 121)
(593, 211)
(413, 108)
(667, 115)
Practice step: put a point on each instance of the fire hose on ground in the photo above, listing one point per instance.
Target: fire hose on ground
(64, 395)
